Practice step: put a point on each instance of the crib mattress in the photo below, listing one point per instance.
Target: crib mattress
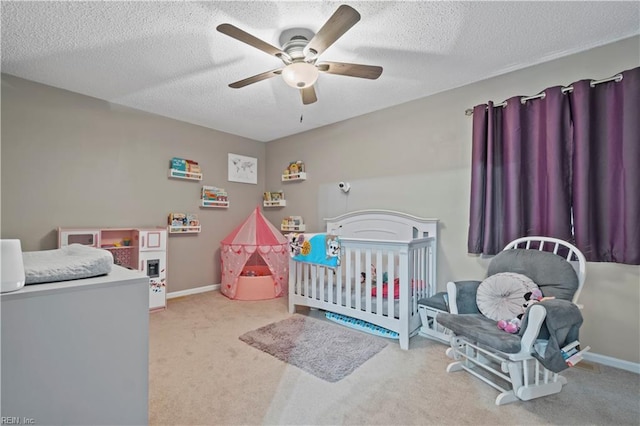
(71, 262)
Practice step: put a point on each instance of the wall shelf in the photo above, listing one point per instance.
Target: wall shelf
(292, 177)
(212, 196)
(184, 229)
(179, 174)
(277, 203)
(293, 224)
(183, 223)
(215, 204)
(293, 228)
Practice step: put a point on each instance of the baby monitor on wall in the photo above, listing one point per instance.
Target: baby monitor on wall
(344, 186)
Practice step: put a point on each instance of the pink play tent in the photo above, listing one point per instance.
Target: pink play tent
(255, 260)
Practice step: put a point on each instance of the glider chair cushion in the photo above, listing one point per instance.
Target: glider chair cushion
(482, 330)
(466, 297)
(553, 274)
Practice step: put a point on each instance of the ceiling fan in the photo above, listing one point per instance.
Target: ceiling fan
(300, 54)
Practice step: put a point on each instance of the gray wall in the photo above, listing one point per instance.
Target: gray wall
(70, 160)
(415, 157)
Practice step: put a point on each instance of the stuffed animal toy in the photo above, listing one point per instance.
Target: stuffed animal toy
(333, 247)
(513, 325)
(296, 241)
(534, 296)
(363, 275)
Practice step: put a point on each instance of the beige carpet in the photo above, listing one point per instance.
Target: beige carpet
(201, 373)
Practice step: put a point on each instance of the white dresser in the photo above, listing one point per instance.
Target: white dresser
(77, 352)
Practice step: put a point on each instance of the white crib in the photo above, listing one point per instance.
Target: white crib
(402, 245)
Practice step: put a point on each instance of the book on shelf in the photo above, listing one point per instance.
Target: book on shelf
(213, 193)
(192, 220)
(193, 166)
(273, 196)
(179, 164)
(291, 221)
(185, 166)
(177, 219)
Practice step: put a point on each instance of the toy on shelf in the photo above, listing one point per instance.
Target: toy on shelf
(295, 171)
(185, 169)
(274, 199)
(183, 223)
(292, 223)
(213, 196)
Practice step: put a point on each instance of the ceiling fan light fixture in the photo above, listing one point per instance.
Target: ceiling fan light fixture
(300, 75)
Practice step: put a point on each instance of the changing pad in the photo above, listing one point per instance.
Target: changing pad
(71, 262)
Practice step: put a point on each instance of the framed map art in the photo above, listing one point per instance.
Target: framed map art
(243, 169)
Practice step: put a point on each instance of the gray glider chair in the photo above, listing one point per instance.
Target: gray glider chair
(522, 365)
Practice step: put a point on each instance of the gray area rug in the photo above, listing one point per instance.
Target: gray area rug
(326, 350)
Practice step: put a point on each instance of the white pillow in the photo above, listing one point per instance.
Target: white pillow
(501, 296)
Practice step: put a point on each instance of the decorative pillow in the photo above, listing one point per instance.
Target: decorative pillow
(501, 296)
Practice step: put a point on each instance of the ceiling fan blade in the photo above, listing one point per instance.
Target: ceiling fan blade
(352, 70)
(245, 37)
(308, 95)
(256, 78)
(342, 19)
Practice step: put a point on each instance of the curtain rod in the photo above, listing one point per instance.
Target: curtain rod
(617, 78)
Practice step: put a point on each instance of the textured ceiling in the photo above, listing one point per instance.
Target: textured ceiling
(167, 58)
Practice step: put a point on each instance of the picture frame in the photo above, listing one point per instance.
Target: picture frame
(243, 169)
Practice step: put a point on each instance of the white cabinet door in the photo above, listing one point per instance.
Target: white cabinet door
(154, 264)
(153, 240)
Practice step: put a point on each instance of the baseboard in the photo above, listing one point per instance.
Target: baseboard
(612, 362)
(191, 291)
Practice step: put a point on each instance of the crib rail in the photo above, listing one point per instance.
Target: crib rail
(377, 281)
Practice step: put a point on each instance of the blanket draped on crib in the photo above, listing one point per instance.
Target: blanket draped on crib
(319, 249)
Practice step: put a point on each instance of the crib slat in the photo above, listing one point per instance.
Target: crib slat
(307, 273)
(314, 281)
(347, 284)
(357, 281)
(323, 273)
(390, 284)
(298, 278)
(330, 286)
(369, 295)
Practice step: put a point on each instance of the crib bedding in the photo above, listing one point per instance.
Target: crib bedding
(71, 262)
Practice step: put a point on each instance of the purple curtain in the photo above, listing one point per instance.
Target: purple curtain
(520, 178)
(606, 167)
